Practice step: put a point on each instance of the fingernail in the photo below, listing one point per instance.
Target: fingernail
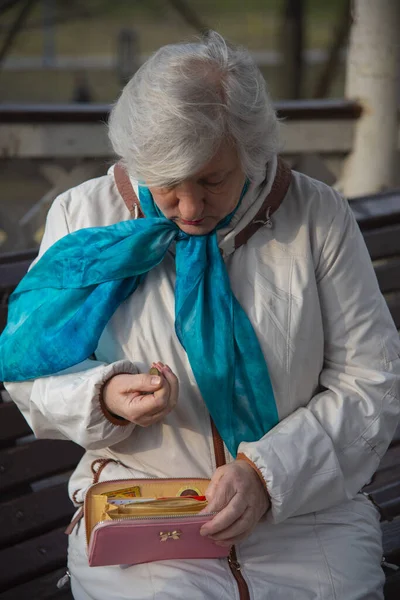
(155, 381)
(203, 533)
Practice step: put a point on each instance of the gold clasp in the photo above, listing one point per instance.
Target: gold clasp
(170, 535)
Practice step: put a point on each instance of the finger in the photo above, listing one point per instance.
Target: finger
(173, 383)
(143, 382)
(147, 421)
(232, 541)
(171, 378)
(223, 493)
(159, 400)
(152, 410)
(240, 527)
(161, 407)
(212, 489)
(151, 404)
(226, 517)
(162, 397)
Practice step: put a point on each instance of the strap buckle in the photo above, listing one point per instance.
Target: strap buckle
(268, 221)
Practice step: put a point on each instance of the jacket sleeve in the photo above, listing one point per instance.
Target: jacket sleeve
(66, 405)
(326, 451)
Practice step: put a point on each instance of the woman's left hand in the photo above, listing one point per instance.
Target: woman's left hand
(238, 495)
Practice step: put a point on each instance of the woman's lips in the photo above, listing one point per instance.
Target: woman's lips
(192, 222)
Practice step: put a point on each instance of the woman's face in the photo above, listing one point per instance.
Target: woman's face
(198, 203)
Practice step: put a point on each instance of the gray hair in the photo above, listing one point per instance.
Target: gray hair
(183, 102)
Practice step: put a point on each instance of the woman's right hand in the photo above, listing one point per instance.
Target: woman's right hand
(142, 399)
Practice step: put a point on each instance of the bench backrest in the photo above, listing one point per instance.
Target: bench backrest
(13, 267)
(379, 221)
(35, 507)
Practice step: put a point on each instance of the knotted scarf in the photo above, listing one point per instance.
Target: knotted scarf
(60, 308)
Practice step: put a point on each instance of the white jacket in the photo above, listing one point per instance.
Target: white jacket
(333, 353)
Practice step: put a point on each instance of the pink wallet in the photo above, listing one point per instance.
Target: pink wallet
(120, 531)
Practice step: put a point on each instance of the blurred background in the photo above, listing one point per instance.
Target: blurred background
(62, 62)
(67, 50)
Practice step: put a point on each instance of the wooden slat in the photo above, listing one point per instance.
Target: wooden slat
(3, 316)
(33, 558)
(385, 485)
(36, 460)
(12, 424)
(383, 242)
(391, 539)
(11, 274)
(54, 113)
(18, 256)
(388, 274)
(318, 109)
(392, 586)
(40, 588)
(377, 210)
(34, 514)
(390, 459)
(396, 437)
(94, 112)
(387, 499)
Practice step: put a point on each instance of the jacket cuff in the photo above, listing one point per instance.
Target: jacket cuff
(114, 419)
(242, 456)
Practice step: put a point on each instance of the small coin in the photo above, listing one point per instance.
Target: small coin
(154, 371)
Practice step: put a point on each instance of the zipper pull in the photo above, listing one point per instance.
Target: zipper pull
(64, 580)
(389, 565)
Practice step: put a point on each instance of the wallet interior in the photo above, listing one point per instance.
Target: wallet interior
(173, 491)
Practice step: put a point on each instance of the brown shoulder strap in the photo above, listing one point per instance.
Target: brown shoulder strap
(127, 192)
(271, 203)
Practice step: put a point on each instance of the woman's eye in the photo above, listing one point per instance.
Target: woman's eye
(165, 189)
(214, 183)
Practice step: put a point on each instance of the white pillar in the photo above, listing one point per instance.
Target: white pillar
(373, 68)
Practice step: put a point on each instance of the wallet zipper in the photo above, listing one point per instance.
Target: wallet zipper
(233, 562)
(156, 517)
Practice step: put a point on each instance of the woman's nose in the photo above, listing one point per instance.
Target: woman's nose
(191, 201)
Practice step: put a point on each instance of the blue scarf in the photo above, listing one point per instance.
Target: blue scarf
(59, 310)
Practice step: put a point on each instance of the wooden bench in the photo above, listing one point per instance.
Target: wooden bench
(34, 504)
(379, 221)
(34, 507)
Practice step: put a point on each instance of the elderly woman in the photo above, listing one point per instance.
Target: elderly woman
(251, 290)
